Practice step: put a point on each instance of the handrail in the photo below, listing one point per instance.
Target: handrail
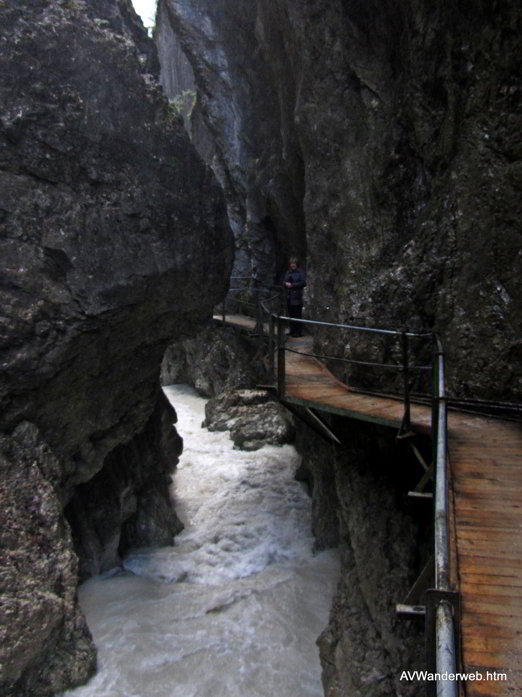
(441, 491)
(445, 654)
(358, 328)
(405, 366)
(445, 645)
(444, 620)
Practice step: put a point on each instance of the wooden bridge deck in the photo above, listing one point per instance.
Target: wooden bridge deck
(485, 463)
(485, 457)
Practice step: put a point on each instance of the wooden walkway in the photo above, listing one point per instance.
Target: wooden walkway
(485, 463)
(485, 457)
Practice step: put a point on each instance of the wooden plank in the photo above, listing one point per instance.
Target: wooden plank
(488, 508)
(485, 642)
(477, 538)
(494, 660)
(485, 513)
(491, 590)
(509, 602)
(510, 579)
(497, 608)
(487, 487)
(491, 688)
(507, 519)
(474, 627)
(470, 560)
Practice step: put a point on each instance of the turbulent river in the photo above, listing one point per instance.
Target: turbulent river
(235, 607)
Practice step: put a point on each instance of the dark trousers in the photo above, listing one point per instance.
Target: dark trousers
(295, 311)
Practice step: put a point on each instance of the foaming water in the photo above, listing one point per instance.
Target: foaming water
(235, 607)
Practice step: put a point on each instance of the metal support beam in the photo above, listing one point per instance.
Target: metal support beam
(306, 415)
(410, 612)
(420, 495)
(281, 370)
(323, 426)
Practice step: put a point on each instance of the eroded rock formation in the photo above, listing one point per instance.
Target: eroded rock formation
(254, 418)
(114, 239)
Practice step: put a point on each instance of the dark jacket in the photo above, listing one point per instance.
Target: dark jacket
(298, 280)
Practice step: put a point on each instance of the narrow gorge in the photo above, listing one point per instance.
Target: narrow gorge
(143, 177)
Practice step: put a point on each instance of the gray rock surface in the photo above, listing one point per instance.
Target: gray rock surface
(243, 123)
(113, 241)
(45, 643)
(253, 417)
(214, 361)
(383, 546)
(382, 140)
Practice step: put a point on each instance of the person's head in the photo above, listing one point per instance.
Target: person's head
(293, 262)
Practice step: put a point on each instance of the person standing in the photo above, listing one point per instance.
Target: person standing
(294, 282)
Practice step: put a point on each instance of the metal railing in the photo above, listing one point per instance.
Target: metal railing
(254, 302)
(445, 600)
(443, 603)
(403, 338)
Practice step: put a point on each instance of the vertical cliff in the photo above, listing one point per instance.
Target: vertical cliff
(243, 124)
(113, 240)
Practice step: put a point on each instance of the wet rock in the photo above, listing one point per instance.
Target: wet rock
(242, 123)
(215, 361)
(383, 547)
(114, 241)
(127, 503)
(253, 418)
(45, 641)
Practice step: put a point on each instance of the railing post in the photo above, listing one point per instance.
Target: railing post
(443, 608)
(280, 358)
(271, 359)
(259, 319)
(434, 401)
(406, 424)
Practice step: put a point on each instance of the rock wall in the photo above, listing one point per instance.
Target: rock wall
(360, 504)
(216, 360)
(113, 240)
(243, 127)
(382, 140)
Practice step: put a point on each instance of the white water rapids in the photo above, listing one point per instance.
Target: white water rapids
(234, 608)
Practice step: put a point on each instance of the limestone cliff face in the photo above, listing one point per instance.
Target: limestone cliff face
(243, 122)
(113, 240)
(382, 139)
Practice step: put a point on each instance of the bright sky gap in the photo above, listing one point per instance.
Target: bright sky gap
(147, 11)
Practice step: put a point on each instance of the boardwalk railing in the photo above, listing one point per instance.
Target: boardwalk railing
(259, 303)
(403, 351)
(441, 612)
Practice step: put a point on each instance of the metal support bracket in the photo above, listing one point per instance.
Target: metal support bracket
(413, 606)
(312, 420)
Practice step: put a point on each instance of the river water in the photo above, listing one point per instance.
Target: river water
(234, 608)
